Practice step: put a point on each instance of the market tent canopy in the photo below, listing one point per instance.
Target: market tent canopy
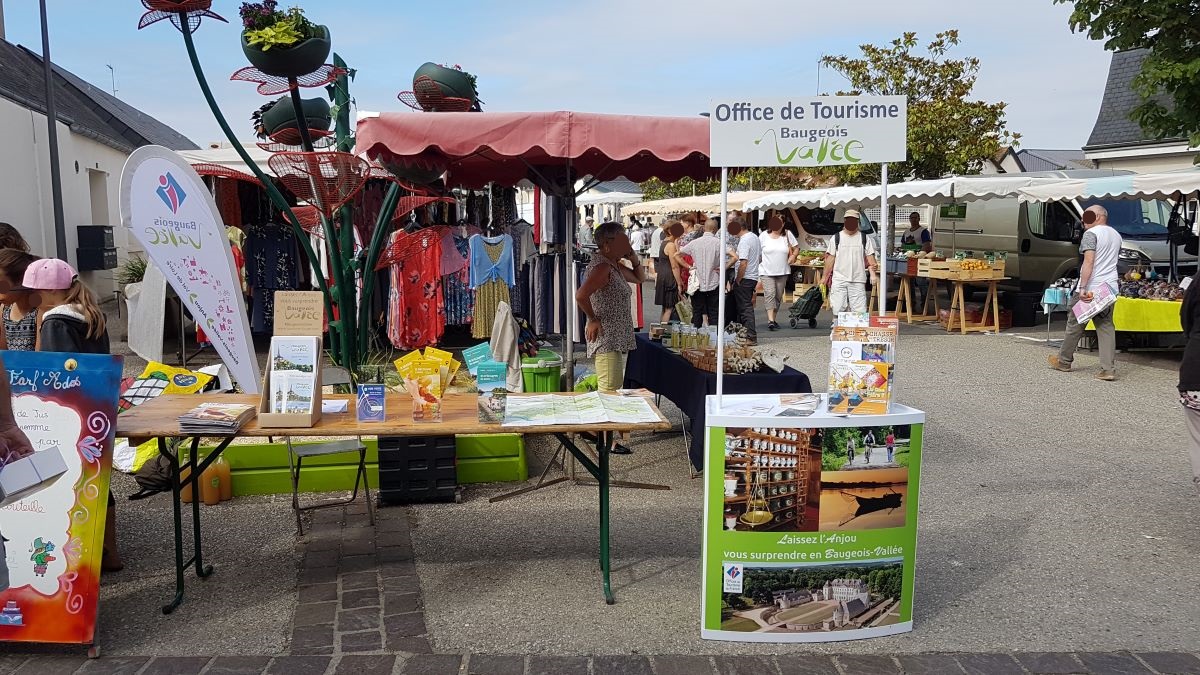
(228, 158)
(704, 203)
(609, 198)
(937, 191)
(479, 148)
(792, 199)
(1128, 186)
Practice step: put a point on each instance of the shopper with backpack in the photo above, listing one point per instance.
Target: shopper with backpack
(851, 257)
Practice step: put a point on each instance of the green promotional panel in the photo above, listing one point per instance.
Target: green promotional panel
(811, 527)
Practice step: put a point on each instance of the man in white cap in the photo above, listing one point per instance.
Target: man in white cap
(850, 258)
(585, 237)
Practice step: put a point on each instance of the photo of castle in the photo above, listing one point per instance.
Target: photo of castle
(815, 598)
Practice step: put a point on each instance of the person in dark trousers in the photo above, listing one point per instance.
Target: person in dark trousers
(745, 278)
(72, 322)
(1189, 374)
(708, 267)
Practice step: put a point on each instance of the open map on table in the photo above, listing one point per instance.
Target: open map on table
(591, 408)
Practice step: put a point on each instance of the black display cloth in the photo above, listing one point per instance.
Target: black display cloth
(668, 374)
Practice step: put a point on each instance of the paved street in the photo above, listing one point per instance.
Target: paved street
(1057, 535)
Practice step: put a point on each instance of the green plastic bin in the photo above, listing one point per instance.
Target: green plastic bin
(542, 373)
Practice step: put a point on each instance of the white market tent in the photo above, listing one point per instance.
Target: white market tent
(1166, 185)
(935, 191)
(704, 203)
(608, 198)
(228, 157)
(792, 199)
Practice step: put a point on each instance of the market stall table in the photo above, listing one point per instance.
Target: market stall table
(1139, 315)
(662, 371)
(991, 304)
(904, 300)
(159, 418)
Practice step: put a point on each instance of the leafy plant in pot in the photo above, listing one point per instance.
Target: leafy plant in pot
(283, 44)
(280, 114)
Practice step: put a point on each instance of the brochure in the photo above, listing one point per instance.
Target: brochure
(215, 418)
(371, 398)
(295, 354)
(1102, 299)
(299, 393)
(862, 360)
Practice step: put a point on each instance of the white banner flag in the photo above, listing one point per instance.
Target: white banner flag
(166, 205)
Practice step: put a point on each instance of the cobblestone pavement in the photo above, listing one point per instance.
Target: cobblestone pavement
(360, 613)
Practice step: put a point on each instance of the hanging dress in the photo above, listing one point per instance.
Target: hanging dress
(491, 275)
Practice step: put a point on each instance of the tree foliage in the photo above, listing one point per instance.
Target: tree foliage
(1171, 71)
(948, 132)
(756, 178)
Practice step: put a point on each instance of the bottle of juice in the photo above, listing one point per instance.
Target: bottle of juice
(225, 473)
(210, 486)
(185, 488)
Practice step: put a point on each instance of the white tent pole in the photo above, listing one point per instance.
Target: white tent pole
(721, 286)
(884, 241)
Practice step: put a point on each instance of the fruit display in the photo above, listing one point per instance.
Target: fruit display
(975, 264)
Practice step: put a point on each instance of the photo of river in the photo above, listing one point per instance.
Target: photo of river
(863, 499)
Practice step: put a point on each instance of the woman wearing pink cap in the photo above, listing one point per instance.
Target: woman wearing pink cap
(71, 320)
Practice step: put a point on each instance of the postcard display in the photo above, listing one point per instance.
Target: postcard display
(810, 520)
(291, 392)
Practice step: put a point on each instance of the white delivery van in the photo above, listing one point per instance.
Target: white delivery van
(1042, 239)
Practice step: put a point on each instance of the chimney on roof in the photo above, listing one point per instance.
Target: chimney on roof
(2, 35)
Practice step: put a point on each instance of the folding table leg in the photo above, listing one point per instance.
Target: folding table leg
(202, 570)
(602, 479)
(177, 513)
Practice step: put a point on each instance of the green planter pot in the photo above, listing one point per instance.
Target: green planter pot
(282, 115)
(300, 59)
(451, 82)
(412, 174)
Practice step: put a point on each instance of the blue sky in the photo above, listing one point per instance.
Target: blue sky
(630, 56)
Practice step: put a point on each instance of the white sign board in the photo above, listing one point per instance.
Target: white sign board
(808, 131)
(167, 207)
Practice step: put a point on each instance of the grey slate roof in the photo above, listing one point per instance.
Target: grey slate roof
(86, 109)
(1113, 126)
(1053, 160)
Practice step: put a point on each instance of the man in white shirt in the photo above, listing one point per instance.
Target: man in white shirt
(850, 258)
(1100, 247)
(745, 278)
(708, 269)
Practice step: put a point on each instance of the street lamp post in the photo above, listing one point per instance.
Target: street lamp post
(60, 231)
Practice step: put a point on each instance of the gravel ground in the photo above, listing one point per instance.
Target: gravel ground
(1049, 500)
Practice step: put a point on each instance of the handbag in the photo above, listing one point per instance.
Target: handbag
(683, 309)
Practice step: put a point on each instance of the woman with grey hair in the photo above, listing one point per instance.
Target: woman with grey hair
(604, 299)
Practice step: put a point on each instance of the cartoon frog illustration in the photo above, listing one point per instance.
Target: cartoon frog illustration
(41, 556)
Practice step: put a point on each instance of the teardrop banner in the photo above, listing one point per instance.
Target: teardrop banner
(167, 207)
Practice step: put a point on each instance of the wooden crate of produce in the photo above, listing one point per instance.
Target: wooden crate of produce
(940, 269)
(926, 265)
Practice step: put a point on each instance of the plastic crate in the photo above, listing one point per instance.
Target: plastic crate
(491, 458)
(417, 469)
(542, 373)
